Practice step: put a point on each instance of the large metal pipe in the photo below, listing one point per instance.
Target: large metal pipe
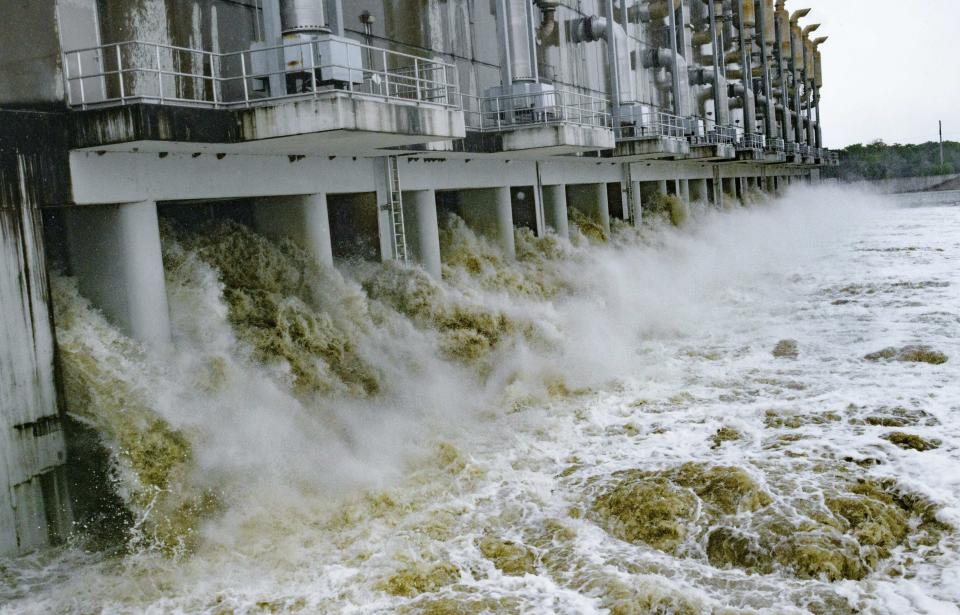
(675, 73)
(782, 28)
(596, 28)
(676, 65)
(808, 81)
(721, 108)
(817, 84)
(764, 12)
(796, 60)
(303, 16)
(745, 38)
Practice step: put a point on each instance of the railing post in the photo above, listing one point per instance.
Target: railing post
(243, 74)
(313, 70)
(66, 78)
(120, 74)
(159, 73)
(386, 74)
(416, 76)
(83, 95)
(213, 79)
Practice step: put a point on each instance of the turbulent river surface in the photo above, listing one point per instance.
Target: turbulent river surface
(756, 413)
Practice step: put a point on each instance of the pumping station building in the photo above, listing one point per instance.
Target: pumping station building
(349, 127)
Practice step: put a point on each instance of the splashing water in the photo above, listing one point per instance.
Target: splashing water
(673, 421)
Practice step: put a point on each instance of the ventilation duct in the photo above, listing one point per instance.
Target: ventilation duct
(303, 16)
(596, 28)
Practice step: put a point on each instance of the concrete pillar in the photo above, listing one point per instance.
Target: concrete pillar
(489, 212)
(684, 191)
(114, 251)
(698, 190)
(727, 186)
(555, 209)
(422, 229)
(591, 200)
(662, 187)
(302, 219)
(636, 203)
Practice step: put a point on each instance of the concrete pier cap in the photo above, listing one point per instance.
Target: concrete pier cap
(114, 251)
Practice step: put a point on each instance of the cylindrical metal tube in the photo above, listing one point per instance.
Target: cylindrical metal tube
(763, 9)
(782, 29)
(744, 28)
(302, 16)
(673, 47)
(523, 53)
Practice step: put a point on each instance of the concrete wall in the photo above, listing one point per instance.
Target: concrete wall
(30, 60)
(34, 508)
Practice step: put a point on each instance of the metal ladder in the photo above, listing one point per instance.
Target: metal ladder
(396, 209)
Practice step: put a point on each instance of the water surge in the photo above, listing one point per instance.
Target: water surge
(701, 419)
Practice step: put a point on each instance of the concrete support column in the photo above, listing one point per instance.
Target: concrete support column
(662, 187)
(114, 251)
(636, 203)
(728, 188)
(422, 229)
(303, 219)
(698, 190)
(555, 209)
(684, 191)
(591, 200)
(488, 211)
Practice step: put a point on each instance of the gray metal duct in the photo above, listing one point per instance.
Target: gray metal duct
(795, 58)
(672, 20)
(518, 52)
(769, 113)
(721, 106)
(745, 39)
(782, 28)
(718, 91)
(676, 65)
(600, 28)
(303, 16)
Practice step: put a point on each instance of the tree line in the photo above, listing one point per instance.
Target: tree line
(878, 160)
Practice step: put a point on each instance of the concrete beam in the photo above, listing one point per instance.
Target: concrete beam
(114, 250)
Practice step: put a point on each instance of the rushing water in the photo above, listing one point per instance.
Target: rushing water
(587, 430)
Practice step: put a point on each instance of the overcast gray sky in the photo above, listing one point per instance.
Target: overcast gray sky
(891, 69)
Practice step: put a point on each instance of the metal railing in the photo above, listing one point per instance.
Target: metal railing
(791, 148)
(137, 71)
(655, 124)
(804, 150)
(831, 158)
(752, 141)
(775, 144)
(558, 106)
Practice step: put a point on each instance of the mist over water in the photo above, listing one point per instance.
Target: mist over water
(589, 429)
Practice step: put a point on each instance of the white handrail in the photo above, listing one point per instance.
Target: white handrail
(415, 79)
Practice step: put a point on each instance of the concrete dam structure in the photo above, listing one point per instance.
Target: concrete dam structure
(352, 129)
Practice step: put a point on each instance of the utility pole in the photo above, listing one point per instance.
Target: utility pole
(941, 143)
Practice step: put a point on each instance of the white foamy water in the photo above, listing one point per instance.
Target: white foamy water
(519, 481)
